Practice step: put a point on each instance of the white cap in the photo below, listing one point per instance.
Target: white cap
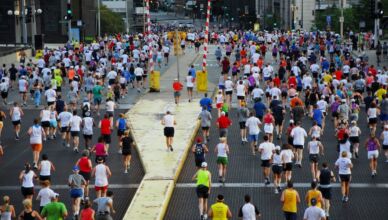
(203, 164)
(277, 147)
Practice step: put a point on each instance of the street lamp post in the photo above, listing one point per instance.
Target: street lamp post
(342, 19)
(24, 24)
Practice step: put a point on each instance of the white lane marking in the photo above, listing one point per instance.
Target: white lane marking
(111, 186)
(296, 185)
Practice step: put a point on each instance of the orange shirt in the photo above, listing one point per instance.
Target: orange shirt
(260, 63)
(294, 101)
(177, 86)
(71, 73)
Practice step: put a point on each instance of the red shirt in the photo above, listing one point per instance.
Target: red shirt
(276, 81)
(292, 81)
(224, 122)
(87, 214)
(177, 86)
(84, 165)
(341, 132)
(338, 74)
(105, 126)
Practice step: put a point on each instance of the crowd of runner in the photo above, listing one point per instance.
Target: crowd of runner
(317, 78)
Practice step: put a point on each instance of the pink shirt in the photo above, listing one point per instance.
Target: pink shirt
(100, 149)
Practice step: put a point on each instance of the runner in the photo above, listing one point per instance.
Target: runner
(384, 139)
(253, 124)
(269, 122)
(87, 129)
(190, 85)
(203, 178)
(219, 101)
(45, 168)
(127, 144)
(45, 121)
(106, 127)
(372, 145)
(220, 210)
(290, 200)
(97, 97)
(23, 86)
(7, 210)
(222, 151)
(75, 129)
(266, 150)
(121, 125)
(325, 176)
(298, 134)
(28, 213)
(177, 87)
(27, 177)
(169, 122)
(243, 114)
(16, 114)
(105, 207)
(199, 149)
(205, 117)
(314, 193)
(101, 172)
(277, 169)
(54, 210)
(223, 123)
(248, 211)
(287, 156)
(36, 134)
(315, 148)
(76, 183)
(64, 118)
(344, 165)
(354, 137)
(314, 212)
(85, 169)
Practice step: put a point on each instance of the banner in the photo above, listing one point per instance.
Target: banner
(155, 81)
(201, 81)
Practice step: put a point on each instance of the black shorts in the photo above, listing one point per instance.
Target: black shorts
(59, 89)
(139, 78)
(169, 131)
(120, 132)
(86, 175)
(326, 192)
(385, 147)
(202, 191)
(265, 163)
(4, 95)
(64, 129)
(74, 133)
(88, 136)
(43, 178)
(354, 140)
(27, 191)
(111, 81)
(288, 167)
(110, 114)
(345, 177)
(166, 54)
(206, 128)
(229, 92)
(314, 158)
(45, 124)
(284, 94)
(240, 97)
(107, 138)
(276, 169)
(126, 151)
(50, 103)
(123, 86)
(297, 146)
(199, 161)
(373, 121)
(16, 122)
(334, 114)
(242, 124)
(279, 121)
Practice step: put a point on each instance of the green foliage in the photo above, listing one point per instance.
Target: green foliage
(111, 22)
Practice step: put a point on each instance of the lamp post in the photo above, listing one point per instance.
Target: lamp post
(24, 24)
(342, 19)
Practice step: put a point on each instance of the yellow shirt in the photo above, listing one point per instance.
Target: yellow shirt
(380, 92)
(220, 211)
(313, 193)
(289, 204)
(327, 78)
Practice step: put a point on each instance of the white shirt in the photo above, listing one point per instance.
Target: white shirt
(266, 149)
(112, 75)
(252, 124)
(139, 71)
(189, 81)
(16, 114)
(110, 106)
(221, 150)
(88, 125)
(45, 195)
(314, 147)
(36, 134)
(101, 176)
(240, 90)
(28, 179)
(306, 81)
(65, 118)
(50, 95)
(313, 213)
(228, 85)
(75, 123)
(343, 165)
(23, 85)
(45, 115)
(275, 91)
(322, 105)
(168, 120)
(299, 134)
(248, 211)
(287, 155)
(385, 136)
(354, 131)
(45, 168)
(255, 70)
(257, 93)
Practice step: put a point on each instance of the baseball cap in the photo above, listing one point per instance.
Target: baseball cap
(55, 195)
(277, 147)
(292, 121)
(203, 164)
(75, 168)
(343, 100)
(199, 139)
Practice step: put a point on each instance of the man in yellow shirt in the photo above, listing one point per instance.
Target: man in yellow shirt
(380, 92)
(290, 199)
(219, 210)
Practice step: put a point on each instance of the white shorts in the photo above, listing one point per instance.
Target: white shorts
(268, 128)
(373, 154)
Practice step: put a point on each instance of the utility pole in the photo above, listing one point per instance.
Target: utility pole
(342, 19)
(69, 19)
(24, 24)
(126, 15)
(377, 24)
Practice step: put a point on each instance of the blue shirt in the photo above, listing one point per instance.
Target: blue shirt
(206, 102)
(259, 109)
(192, 71)
(317, 116)
(122, 124)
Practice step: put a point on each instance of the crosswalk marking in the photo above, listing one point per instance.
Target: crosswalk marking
(56, 187)
(296, 185)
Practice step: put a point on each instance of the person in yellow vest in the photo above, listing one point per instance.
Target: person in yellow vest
(314, 193)
(290, 199)
(203, 178)
(219, 210)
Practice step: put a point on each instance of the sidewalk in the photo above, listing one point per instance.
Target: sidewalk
(162, 168)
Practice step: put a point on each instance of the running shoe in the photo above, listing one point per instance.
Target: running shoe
(276, 191)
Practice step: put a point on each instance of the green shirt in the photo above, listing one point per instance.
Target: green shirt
(97, 91)
(54, 211)
(203, 177)
(58, 78)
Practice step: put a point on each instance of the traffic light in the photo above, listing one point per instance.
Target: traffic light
(380, 11)
(28, 14)
(69, 13)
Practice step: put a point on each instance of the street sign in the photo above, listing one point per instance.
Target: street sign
(328, 19)
(341, 19)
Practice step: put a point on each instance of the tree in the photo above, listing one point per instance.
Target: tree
(111, 22)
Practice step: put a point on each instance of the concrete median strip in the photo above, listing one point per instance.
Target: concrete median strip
(161, 168)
